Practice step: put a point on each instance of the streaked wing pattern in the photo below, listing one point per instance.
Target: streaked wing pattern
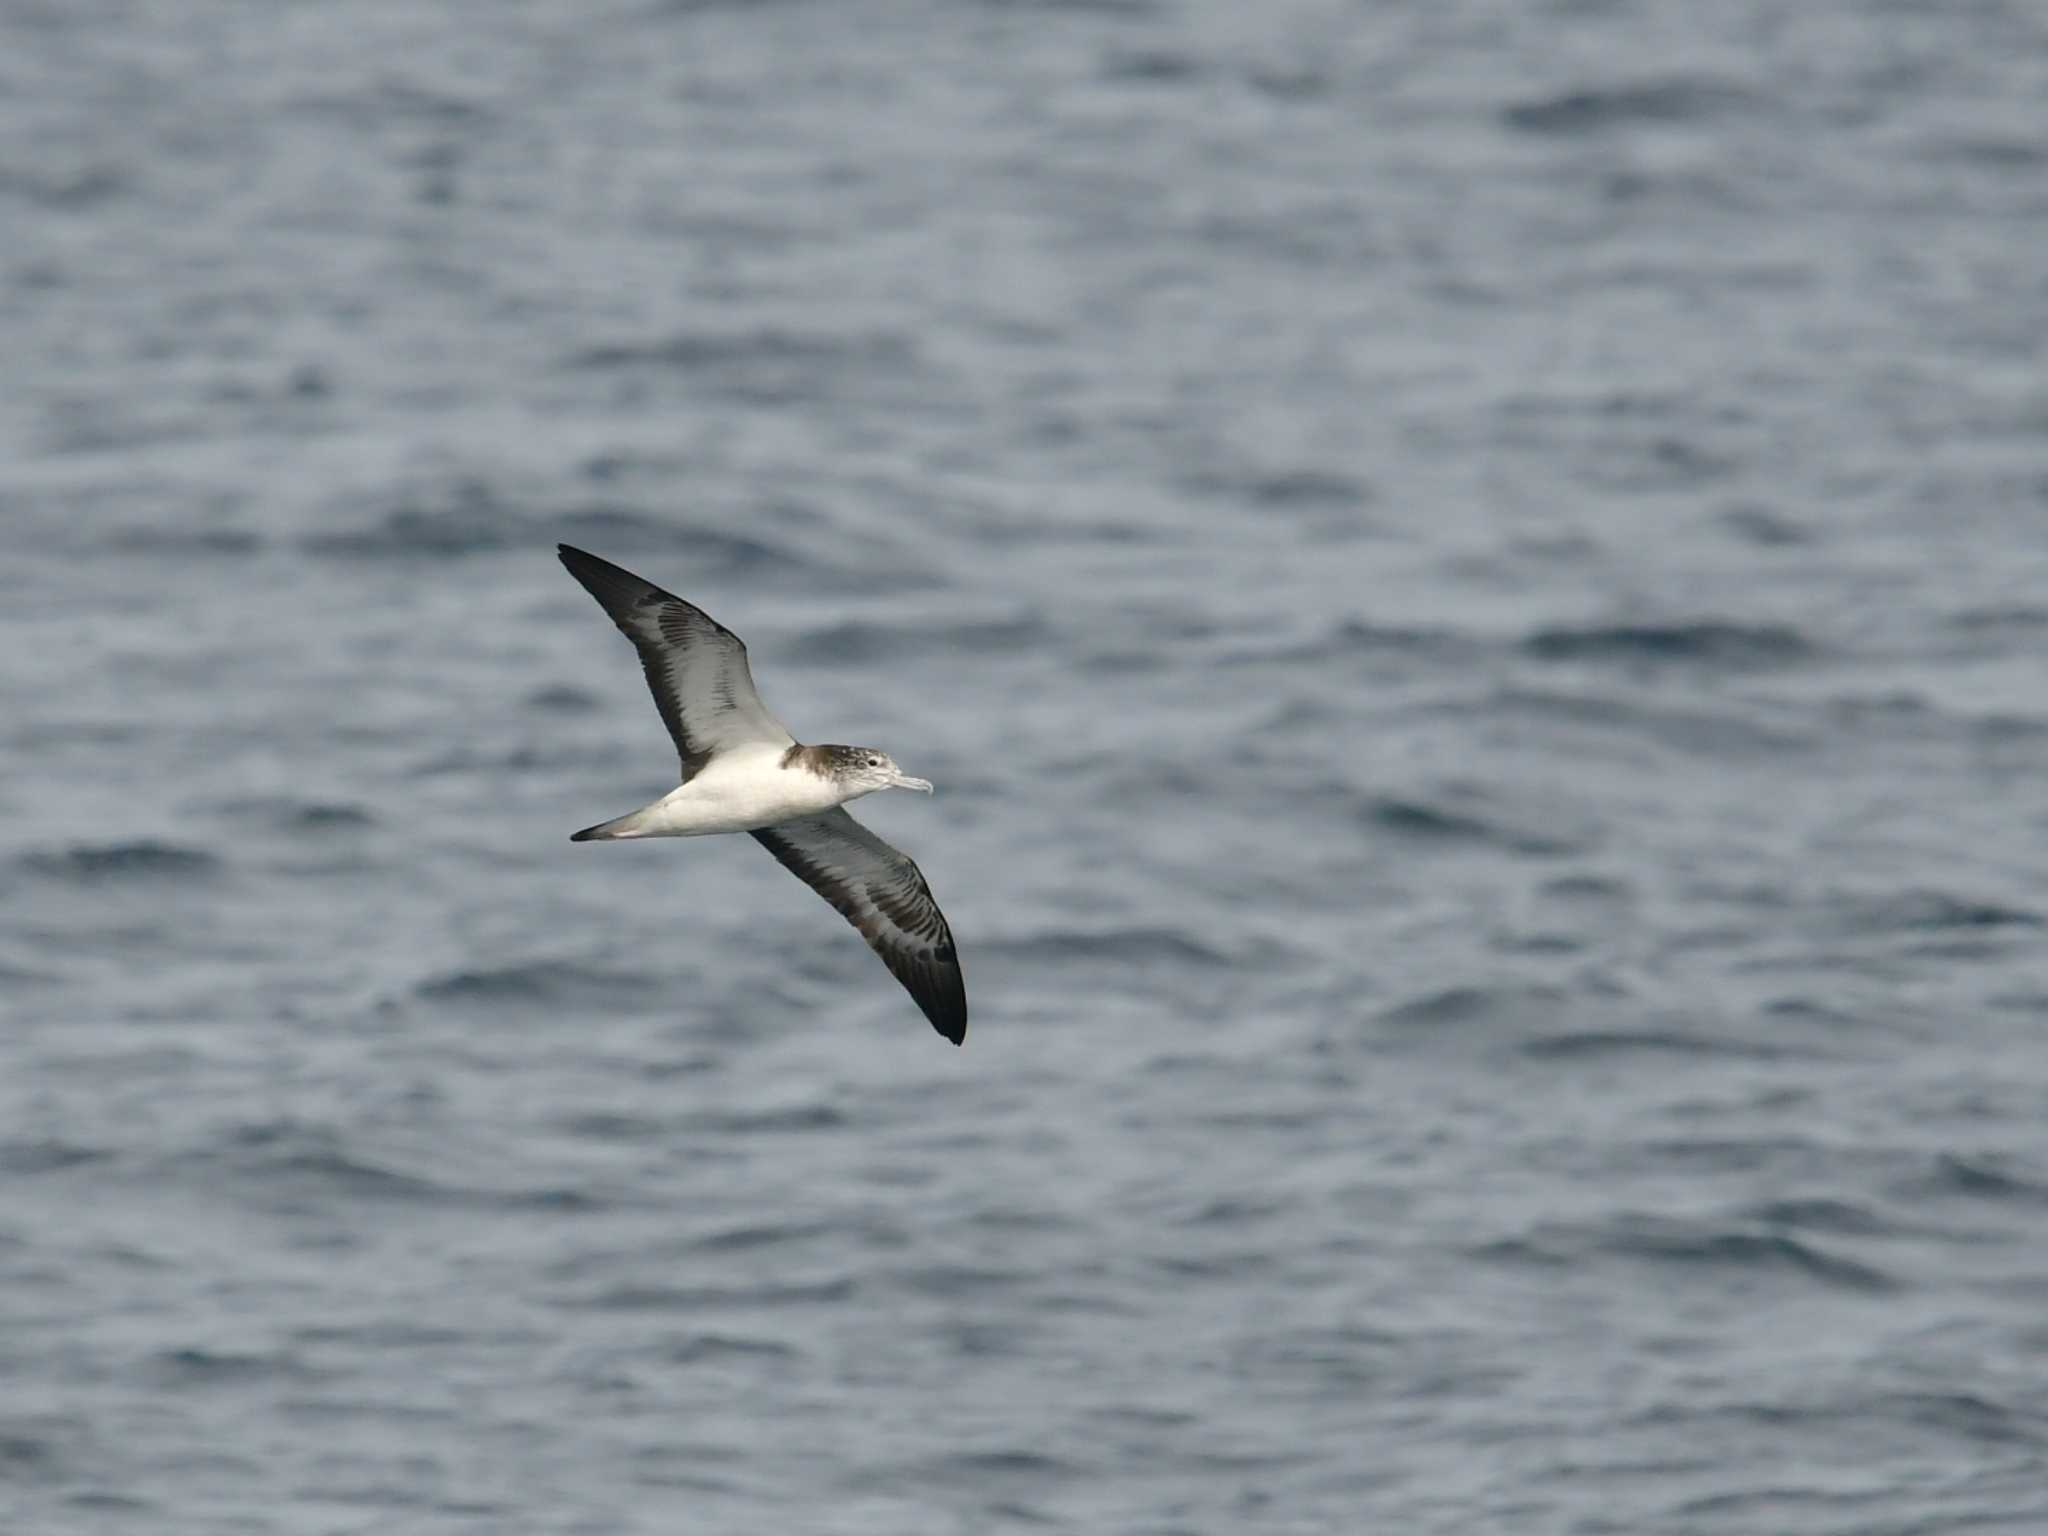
(880, 891)
(696, 667)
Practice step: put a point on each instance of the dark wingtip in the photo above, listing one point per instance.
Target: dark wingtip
(944, 998)
(582, 564)
(588, 834)
(615, 587)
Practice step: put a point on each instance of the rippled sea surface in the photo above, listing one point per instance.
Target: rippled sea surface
(1474, 580)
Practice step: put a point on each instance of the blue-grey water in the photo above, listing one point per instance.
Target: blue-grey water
(1474, 579)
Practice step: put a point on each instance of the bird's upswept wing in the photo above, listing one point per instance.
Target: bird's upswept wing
(696, 667)
(880, 891)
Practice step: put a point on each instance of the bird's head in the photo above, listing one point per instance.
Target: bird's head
(867, 769)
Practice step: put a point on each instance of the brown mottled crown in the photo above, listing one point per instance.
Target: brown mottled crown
(828, 762)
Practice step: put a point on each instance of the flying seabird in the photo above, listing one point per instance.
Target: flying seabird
(743, 772)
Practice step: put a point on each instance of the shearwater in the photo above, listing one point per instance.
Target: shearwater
(742, 771)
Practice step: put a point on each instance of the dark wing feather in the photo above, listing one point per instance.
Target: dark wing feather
(879, 890)
(696, 667)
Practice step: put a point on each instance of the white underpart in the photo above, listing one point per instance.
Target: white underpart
(739, 789)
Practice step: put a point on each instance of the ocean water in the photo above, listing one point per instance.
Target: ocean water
(1473, 578)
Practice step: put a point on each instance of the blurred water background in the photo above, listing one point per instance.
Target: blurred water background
(1473, 577)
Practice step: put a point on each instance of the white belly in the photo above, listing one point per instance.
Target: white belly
(737, 791)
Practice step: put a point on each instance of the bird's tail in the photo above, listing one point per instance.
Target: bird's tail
(632, 824)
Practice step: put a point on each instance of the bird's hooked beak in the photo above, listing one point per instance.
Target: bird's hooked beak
(905, 781)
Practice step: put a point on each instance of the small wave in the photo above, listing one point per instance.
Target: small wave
(544, 753)
(614, 1125)
(1128, 946)
(619, 527)
(1308, 488)
(194, 1367)
(540, 984)
(28, 1158)
(1970, 1415)
(1013, 1339)
(1989, 152)
(298, 1162)
(155, 540)
(69, 190)
(1677, 1242)
(789, 1117)
(1284, 489)
(25, 1456)
(963, 1280)
(1029, 1465)
(2001, 727)
(2021, 620)
(466, 518)
(563, 699)
(1470, 1004)
(751, 1236)
(1235, 1211)
(1732, 1154)
(1920, 911)
(1423, 822)
(389, 101)
(1806, 1010)
(287, 814)
(1975, 1418)
(1708, 643)
(1590, 1044)
(860, 643)
(1344, 1358)
(719, 1348)
(1689, 1245)
(1015, 1223)
(401, 1333)
(1412, 818)
(1678, 100)
(556, 1201)
(1819, 1214)
(1986, 1178)
(1232, 1264)
(768, 365)
(1387, 648)
(1533, 1252)
(1354, 636)
(103, 1501)
(329, 816)
(1151, 67)
(1736, 730)
(624, 530)
(704, 1298)
(332, 1171)
(1764, 528)
(144, 859)
(1124, 8)
(1590, 888)
(709, 350)
(1304, 83)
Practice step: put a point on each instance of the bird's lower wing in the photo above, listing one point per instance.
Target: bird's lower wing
(879, 890)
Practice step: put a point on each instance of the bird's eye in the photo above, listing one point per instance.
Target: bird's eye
(874, 762)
